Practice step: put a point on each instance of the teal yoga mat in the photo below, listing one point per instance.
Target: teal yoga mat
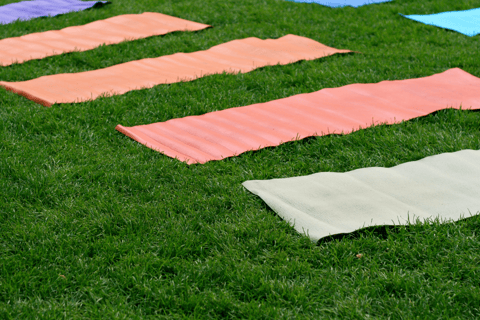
(466, 22)
(445, 186)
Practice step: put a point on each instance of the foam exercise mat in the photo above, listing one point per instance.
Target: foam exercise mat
(26, 10)
(89, 36)
(221, 134)
(341, 3)
(445, 186)
(235, 56)
(466, 22)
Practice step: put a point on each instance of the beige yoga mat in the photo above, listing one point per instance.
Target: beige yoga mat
(328, 203)
(235, 56)
(81, 38)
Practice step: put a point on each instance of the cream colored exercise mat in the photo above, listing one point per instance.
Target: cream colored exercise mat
(327, 203)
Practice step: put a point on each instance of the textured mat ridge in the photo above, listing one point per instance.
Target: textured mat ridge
(86, 37)
(235, 56)
(221, 134)
(445, 186)
(26, 10)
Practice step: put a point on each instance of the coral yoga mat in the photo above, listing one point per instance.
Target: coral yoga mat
(26, 10)
(341, 3)
(466, 22)
(89, 36)
(221, 134)
(235, 56)
(445, 186)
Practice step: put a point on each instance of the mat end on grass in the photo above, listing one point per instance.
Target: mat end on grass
(29, 96)
(154, 145)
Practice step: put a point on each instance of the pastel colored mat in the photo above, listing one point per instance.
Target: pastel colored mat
(227, 133)
(445, 186)
(235, 56)
(341, 3)
(27, 10)
(466, 22)
(89, 36)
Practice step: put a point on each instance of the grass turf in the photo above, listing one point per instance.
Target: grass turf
(95, 225)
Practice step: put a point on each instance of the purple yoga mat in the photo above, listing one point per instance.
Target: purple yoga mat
(27, 10)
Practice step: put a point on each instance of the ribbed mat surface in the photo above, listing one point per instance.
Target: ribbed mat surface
(26, 10)
(445, 186)
(341, 3)
(466, 22)
(226, 133)
(235, 56)
(89, 36)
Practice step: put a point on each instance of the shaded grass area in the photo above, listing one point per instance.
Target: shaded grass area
(95, 225)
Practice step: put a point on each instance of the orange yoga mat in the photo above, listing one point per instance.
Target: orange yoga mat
(235, 56)
(89, 36)
(221, 134)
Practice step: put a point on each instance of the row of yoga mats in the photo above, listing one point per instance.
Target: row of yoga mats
(466, 22)
(131, 27)
(444, 186)
(235, 56)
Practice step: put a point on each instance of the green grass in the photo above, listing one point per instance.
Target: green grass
(95, 225)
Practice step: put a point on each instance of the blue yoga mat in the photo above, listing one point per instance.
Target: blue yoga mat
(27, 10)
(341, 3)
(466, 22)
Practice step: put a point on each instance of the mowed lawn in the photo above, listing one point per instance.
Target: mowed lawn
(95, 225)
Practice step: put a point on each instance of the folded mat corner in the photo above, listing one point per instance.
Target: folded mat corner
(235, 56)
(227, 133)
(109, 31)
(445, 186)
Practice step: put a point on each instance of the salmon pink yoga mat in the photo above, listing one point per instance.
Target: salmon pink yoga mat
(445, 186)
(221, 134)
(89, 36)
(26, 10)
(235, 56)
